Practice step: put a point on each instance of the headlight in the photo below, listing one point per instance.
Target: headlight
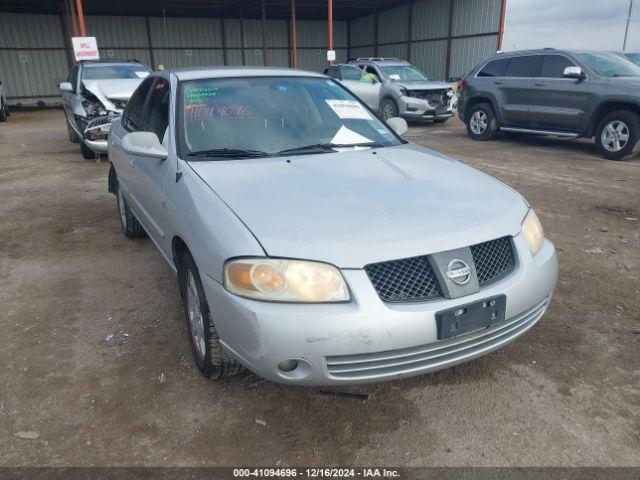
(281, 280)
(533, 233)
(406, 93)
(93, 108)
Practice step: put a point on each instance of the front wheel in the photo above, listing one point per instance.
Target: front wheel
(87, 153)
(618, 135)
(481, 122)
(388, 108)
(208, 353)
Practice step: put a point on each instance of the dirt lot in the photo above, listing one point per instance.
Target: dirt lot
(95, 360)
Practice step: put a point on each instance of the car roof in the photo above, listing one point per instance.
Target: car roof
(228, 72)
(395, 62)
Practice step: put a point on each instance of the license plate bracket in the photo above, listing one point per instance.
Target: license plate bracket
(471, 317)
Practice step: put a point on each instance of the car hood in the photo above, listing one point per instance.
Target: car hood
(431, 85)
(355, 208)
(113, 89)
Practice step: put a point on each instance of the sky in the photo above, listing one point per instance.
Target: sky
(577, 24)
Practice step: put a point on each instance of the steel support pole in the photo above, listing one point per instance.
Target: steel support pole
(294, 37)
(265, 60)
(83, 30)
(503, 14)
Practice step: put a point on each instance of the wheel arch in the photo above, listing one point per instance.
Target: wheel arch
(482, 99)
(178, 249)
(112, 183)
(605, 108)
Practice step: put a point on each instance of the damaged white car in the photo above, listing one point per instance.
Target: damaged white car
(94, 94)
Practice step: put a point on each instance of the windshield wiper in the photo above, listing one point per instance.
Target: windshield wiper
(230, 153)
(327, 147)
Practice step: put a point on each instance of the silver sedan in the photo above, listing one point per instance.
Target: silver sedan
(312, 244)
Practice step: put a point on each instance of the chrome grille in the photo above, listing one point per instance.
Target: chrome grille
(434, 356)
(494, 260)
(408, 280)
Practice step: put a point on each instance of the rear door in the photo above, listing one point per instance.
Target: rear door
(559, 103)
(151, 173)
(365, 87)
(515, 89)
(124, 163)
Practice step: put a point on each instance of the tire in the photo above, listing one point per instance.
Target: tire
(73, 136)
(87, 153)
(131, 227)
(617, 135)
(208, 353)
(388, 108)
(481, 122)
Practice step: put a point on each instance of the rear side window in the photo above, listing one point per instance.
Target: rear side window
(132, 116)
(524, 67)
(332, 72)
(497, 68)
(156, 117)
(553, 66)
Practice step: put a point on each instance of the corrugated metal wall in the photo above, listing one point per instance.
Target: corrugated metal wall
(429, 44)
(33, 58)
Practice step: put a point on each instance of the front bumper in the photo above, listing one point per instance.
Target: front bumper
(367, 340)
(413, 108)
(96, 132)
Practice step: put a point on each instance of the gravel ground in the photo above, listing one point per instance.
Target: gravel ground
(96, 369)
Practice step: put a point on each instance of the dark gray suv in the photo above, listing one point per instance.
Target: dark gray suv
(569, 94)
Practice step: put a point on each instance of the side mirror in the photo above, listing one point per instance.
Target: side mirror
(573, 72)
(66, 87)
(144, 144)
(399, 125)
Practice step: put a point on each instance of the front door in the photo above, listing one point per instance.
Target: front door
(559, 103)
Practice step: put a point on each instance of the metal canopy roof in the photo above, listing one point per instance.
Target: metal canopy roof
(305, 9)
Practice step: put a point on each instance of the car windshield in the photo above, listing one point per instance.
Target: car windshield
(403, 73)
(634, 57)
(610, 65)
(112, 72)
(264, 116)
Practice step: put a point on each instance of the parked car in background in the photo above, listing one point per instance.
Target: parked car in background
(569, 94)
(312, 244)
(396, 88)
(4, 108)
(94, 93)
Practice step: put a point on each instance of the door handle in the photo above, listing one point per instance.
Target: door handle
(540, 84)
(498, 82)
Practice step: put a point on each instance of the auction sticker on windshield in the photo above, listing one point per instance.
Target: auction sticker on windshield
(349, 109)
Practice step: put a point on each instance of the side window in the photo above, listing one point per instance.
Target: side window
(332, 72)
(372, 71)
(553, 66)
(497, 68)
(132, 115)
(524, 67)
(73, 77)
(350, 73)
(156, 117)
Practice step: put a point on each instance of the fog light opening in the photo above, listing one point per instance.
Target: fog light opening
(294, 369)
(288, 365)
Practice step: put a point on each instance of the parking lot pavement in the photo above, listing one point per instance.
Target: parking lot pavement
(96, 369)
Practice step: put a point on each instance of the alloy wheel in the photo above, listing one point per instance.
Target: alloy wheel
(615, 136)
(388, 110)
(479, 122)
(121, 209)
(196, 324)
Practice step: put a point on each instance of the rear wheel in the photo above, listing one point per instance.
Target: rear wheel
(618, 135)
(131, 227)
(208, 353)
(481, 122)
(388, 108)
